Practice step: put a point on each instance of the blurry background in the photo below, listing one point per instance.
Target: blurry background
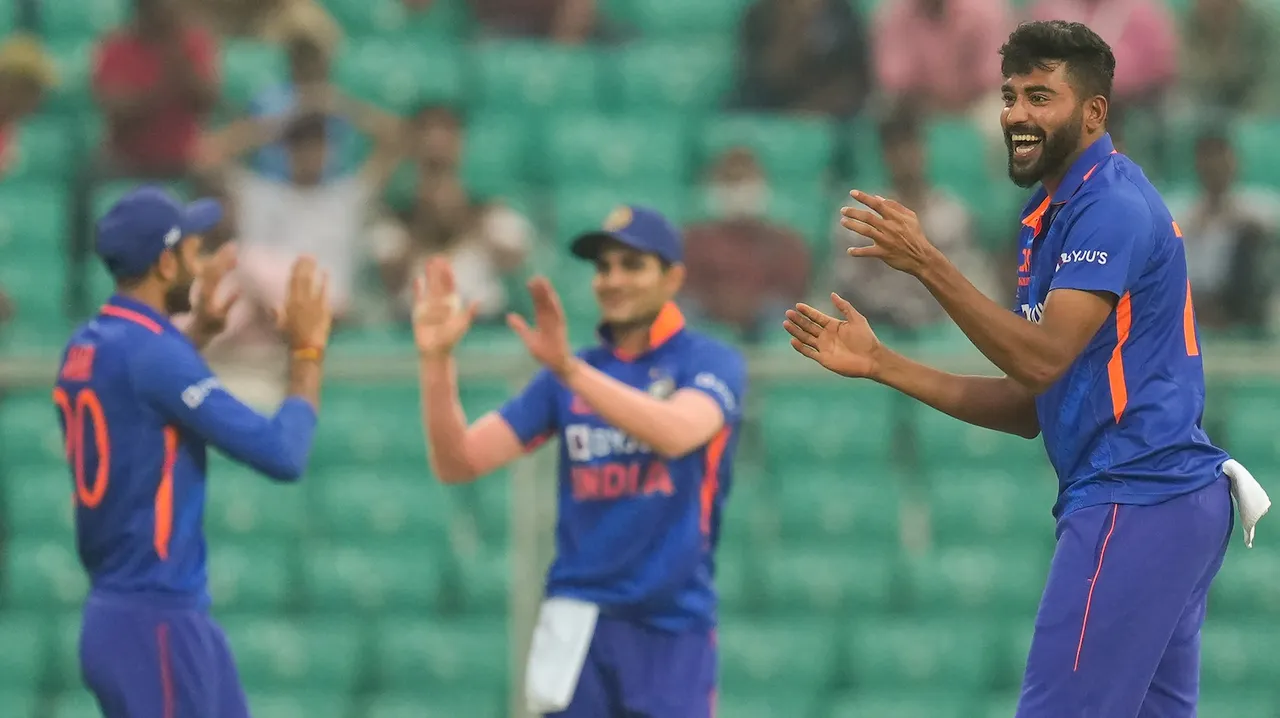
(878, 559)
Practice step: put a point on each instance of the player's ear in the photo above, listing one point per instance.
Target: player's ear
(1095, 113)
(167, 266)
(673, 278)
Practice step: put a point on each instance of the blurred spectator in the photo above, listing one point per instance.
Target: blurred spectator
(1226, 54)
(1143, 36)
(885, 295)
(565, 21)
(309, 77)
(1229, 234)
(26, 73)
(744, 271)
(6, 307)
(487, 241)
(268, 20)
(803, 56)
(940, 55)
(307, 212)
(155, 82)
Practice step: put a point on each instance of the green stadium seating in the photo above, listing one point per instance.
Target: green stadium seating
(248, 68)
(310, 654)
(1253, 702)
(496, 158)
(673, 76)
(834, 422)
(1236, 653)
(43, 575)
(39, 502)
(788, 148)
(446, 19)
(401, 74)
(805, 580)
(1014, 649)
(19, 700)
(993, 504)
(770, 701)
(1246, 585)
(530, 77)
(839, 506)
(254, 574)
(425, 656)
(483, 582)
(584, 207)
(33, 222)
(73, 59)
(41, 151)
(242, 502)
(672, 19)
(947, 442)
(481, 704)
(913, 704)
(372, 578)
(1003, 706)
(488, 505)
(348, 437)
(300, 704)
(85, 20)
(1255, 141)
(64, 659)
(24, 638)
(917, 653)
(76, 703)
(590, 149)
(799, 652)
(412, 506)
(1254, 414)
(998, 580)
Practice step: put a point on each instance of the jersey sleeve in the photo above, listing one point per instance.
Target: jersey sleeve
(532, 412)
(175, 381)
(720, 373)
(1105, 243)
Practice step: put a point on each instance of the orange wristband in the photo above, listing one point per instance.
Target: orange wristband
(308, 354)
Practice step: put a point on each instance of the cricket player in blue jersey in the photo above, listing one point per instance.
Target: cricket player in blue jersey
(1102, 357)
(138, 407)
(648, 424)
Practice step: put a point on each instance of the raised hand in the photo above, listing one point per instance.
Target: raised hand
(548, 339)
(439, 320)
(847, 347)
(898, 239)
(209, 310)
(307, 316)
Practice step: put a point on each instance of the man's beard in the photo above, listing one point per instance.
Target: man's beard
(1055, 150)
(178, 299)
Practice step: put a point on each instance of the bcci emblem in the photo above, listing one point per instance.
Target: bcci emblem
(661, 387)
(617, 219)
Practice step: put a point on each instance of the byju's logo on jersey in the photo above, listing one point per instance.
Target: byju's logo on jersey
(1033, 314)
(624, 472)
(1089, 256)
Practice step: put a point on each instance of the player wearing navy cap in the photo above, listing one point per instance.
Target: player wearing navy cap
(138, 407)
(1102, 357)
(647, 423)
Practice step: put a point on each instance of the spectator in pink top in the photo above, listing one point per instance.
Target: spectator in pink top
(1141, 33)
(942, 55)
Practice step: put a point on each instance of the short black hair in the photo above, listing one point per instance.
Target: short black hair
(1091, 65)
(903, 125)
(310, 127)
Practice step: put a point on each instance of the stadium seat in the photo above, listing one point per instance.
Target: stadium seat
(1236, 654)
(947, 442)
(834, 579)
(675, 20)
(833, 505)
(805, 421)
(445, 20)
(788, 148)
(996, 503)
(43, 575)
(19, 701)
(426, 656)
(38, 502)
(800, 652)
(597, 149)
(82, 21)
(401, 75)
(1254, 413)
(483, 580)
(1260, 701)
(310, 654)
(24, 638)
(64, 650)
(75, 703)
(996, 580)
(310, 703)
(1006, 704)
(530, 77)
(33, 220)
(29, 429)
(496, 157)
(1015, 646)
(256, 573)
(1255, 141)
(248, 68)
(918, 653)
(73, 59)
(349, 439)
(438, 704)
(486, 503)
(767, 701)
(1246, 585)
(371, 578)
(673, 76)
(244, 503)
(903, 704)
(42, 152)
(582, 208)
(384, 504)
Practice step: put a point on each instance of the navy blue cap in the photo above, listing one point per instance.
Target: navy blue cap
(140, 226)
(637, 227)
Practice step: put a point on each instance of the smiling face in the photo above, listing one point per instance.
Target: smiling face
(632, 286)
(1044, 124)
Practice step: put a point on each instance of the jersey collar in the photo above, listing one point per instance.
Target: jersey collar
(669, 323)
(131, 310)
(1081, 170)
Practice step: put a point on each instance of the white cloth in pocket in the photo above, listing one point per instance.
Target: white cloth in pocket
(556, 655)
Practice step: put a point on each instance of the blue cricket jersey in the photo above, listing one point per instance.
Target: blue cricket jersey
(636, 533)
(138, 405)
(1123, 424)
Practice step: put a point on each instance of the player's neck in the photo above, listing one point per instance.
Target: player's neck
(630, 338)
(151, 296)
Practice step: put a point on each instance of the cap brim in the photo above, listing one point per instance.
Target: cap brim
(201, 216)
(587, 246)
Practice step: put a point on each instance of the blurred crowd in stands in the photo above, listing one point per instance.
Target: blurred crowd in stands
(283, 163)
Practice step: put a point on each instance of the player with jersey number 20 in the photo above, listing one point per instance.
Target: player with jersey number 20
(648, 423)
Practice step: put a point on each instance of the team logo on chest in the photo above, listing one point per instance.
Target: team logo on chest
(661, 385)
